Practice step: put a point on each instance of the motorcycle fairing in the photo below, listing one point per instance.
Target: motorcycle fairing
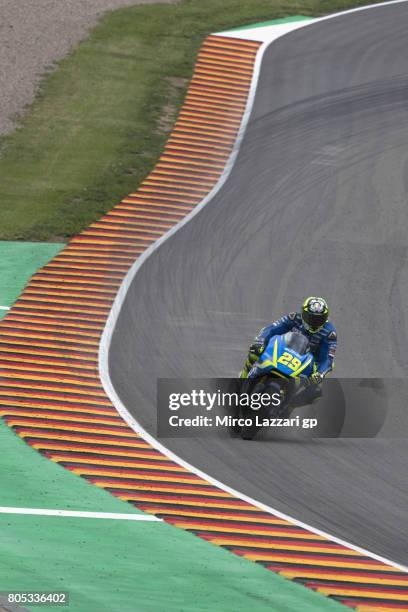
(280, 357)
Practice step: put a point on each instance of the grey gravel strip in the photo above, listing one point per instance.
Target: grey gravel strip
(33, 36)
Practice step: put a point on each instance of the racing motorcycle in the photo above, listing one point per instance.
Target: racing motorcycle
(282, 370)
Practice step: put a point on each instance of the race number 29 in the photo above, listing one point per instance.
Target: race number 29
(290, 361)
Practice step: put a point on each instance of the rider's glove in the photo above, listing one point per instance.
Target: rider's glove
(257, 348)
(316, 378)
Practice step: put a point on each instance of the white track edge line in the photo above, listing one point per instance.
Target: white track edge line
(80, 514)
(300, 24)
(106, 337)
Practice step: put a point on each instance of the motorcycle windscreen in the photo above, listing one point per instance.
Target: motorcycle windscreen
(296, 342)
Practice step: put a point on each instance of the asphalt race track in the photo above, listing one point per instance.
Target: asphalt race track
(316, 204)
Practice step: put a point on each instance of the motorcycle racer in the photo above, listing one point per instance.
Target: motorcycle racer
(312, 321)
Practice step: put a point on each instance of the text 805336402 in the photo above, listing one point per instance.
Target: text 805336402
(36, 598)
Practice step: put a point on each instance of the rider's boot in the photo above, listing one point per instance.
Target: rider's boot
(249, 362)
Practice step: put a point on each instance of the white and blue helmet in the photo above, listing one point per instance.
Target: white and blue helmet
(315, 313)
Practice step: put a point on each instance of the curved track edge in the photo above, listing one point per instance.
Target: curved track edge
(51, 394)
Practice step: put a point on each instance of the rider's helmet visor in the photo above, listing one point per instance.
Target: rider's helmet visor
(314, 320)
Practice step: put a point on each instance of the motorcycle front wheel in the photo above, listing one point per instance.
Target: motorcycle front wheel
(248, 432)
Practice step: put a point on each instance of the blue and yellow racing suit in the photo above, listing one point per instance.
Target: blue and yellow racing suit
(323, 343)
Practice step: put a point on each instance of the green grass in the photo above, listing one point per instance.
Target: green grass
(30, 480)
(124, 566)
(94, 131)
(110, 565)
(18, 262)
